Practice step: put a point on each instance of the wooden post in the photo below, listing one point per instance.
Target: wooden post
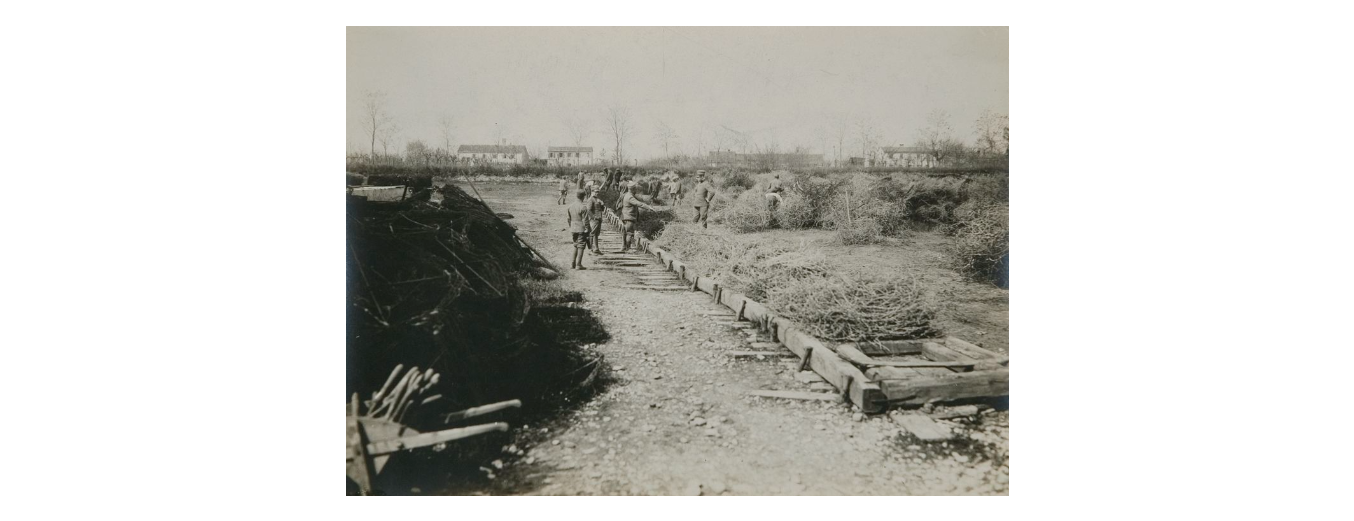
(808, 355)
(363, 467)
(742, 308)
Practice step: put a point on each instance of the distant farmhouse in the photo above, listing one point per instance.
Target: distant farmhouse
(498, 154)
(907, 156)
(729, 158)
(569, 156)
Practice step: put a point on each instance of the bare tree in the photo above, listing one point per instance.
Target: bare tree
(375, 119)
(417, 150)
(937, 137)
(618, 119)
(719, 139)
(867, 138)
(993, 131)
(664, 135)
(841, 127)
(447, 125)
(578, 130)
(387, 137)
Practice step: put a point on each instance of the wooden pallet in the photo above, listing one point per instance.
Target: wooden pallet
(915, 372)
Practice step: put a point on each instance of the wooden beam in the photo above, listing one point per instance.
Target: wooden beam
(919, 390)
(431, 438)
(969, 349)
(849, 352)
(749, 354)
(891, 347)
(840, 373)
(480, 411)
(797, 395)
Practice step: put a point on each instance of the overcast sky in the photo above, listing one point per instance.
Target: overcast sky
(783, 86)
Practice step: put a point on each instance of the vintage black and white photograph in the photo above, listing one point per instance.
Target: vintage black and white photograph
(655, 261)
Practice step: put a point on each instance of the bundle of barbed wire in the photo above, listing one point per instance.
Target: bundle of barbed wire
(982, 243)
(843, 309)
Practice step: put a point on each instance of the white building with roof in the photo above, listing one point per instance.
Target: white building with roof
(907, 156)
(568, 156)
(497, 154)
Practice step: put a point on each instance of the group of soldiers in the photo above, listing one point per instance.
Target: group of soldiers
(585, 214)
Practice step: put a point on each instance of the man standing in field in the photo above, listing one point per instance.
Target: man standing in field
(629, 209)
(563, 190)
(704, 193)
(578, 230)
(596, 209)
(580, 180)
(674, 190)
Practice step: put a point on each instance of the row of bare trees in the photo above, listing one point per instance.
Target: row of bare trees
(845, 136)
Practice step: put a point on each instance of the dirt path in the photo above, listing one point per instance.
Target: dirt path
(678, 419)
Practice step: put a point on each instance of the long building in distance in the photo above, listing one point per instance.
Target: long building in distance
(496, 154)
(569, 156)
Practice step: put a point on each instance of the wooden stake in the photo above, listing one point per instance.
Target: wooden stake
(361, 469)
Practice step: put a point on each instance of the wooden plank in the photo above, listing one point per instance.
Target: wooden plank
(853, 355)
(970, 349)
(849, 352)
(840, 373)
(767, 345)
(797, 395)
(752, 354)
(657, 288)
(480, 411)
(923, 427)
(891, 347)
(919, 390)
(938, 352)
(432, 438)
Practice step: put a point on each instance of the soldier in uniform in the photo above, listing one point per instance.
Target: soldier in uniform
(629, 210)
(578, 229)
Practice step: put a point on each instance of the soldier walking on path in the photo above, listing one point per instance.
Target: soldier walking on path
(563, 190)
(596, 208)
(704, 193)
(578, 230)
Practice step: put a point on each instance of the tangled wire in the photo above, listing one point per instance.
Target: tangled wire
(847, 310)
(982, 245)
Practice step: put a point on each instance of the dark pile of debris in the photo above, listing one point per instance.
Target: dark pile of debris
(437, 286)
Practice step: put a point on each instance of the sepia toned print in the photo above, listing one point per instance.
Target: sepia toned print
(677, 261)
